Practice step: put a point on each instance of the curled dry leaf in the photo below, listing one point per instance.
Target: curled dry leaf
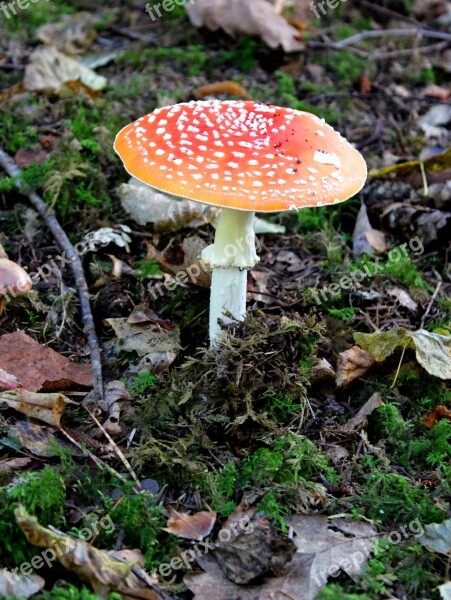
(116, 400)
(37, 367)
(15, 585)
(366, 239)
(190, 527)
(403, 298)
(91, 565)
(352, 364)
(436, 415)
(48, 408)
(49, 70)
(7, 465)
(361, 417)
(145, 205)
(72, 33)
(39, 440)
(238, 17)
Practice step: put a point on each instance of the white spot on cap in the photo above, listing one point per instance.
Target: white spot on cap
(327, 158)
(160, 152)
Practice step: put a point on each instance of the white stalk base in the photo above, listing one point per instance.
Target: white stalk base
(228, 292)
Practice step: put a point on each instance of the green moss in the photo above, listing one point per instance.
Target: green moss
(433, 449)
(43, 494)
(142, 383)
(148, 267)
(242, 54)
(407, 273)
(335, 591)
(343, 314)
(16, 132)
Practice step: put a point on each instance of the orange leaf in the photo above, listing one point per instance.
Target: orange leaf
(190, 527)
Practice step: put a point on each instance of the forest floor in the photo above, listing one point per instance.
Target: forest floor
(293, 431)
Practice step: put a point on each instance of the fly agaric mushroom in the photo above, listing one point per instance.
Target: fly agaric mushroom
(245, 157)
(14, 281)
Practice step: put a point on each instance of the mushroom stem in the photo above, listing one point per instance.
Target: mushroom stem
(230, 257)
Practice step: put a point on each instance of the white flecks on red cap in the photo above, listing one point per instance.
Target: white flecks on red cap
(241, 154)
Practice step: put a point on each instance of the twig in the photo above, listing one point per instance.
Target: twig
(116, 448)
(428, 309)
(377, 33)
(60, 236)
(388, 12)
(408, 51)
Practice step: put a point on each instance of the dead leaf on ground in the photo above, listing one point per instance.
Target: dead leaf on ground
(25, 157)
(158, 347)
(375, 401)
(50, 70)
(39, 440)
(433, 350)
(48, 408)
(38, 368)
(436, 415)
(116, 400)
(238, 17)
(258, 550)
(437, 162)
(352, 364)
(7, 465)
(445, 590)
(14, 585)
(146, 205)
(96, 567)
(190, 527)
(403, 298)
(230, 88)
(366, 239)
(437, 537)
(72, 33)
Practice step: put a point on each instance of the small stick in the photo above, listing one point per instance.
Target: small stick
(377, 33)
(428, 309)
(60, 236)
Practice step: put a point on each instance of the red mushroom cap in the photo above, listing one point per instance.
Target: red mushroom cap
(242, 155)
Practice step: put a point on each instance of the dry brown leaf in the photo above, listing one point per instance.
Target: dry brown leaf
(72, 33)
(39, 440)
(145, 205)
(366, 239)
(403, 298)
(352, 364)
(190, 527)
(438, 413)
(8, 381)
(94, 566)
(19, 586)
(230, 88)
(38, 368)
(375, 401)
(50, 70)
(238, 17)
(48, 408)
(25, 157)
(144, 339)
(7, 465)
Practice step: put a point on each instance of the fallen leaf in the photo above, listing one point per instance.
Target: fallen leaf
(145, 205)
(15, 585)
(436, 414)
(437, 162)
(116, 400)
(366, 239)
(158, 346)
(39, 440)
(25, 157)
(255, 552)
(260, 291)
(375, 401)
(48, 408)
(38, 368)
(437, 537)
(433, 350)
(238, 17)
(353, 364)
(94, 566)
(230, 88)
(403, 298)
(72, 33)
(49, 70)
(7, 465)
(190, 527)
